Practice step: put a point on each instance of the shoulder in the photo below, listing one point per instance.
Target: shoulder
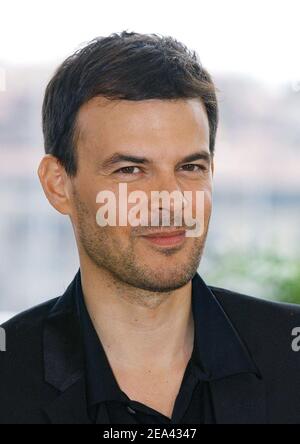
(22, 384)
(243, 306)
(271, 332)
(23, 332)
(30, 318)
(268, 328)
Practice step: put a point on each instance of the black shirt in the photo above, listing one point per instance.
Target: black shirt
(218, 352)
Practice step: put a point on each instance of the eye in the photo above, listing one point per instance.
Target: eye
(193, 167)
(128, 170)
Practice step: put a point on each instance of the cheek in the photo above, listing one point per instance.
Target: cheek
(202, 201)
(207, 203)
(202, 209)
(119, 235)
(87, 192)
(207, 209)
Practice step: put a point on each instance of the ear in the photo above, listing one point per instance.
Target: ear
(55, 183)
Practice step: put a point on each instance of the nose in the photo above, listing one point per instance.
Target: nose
(167, 197)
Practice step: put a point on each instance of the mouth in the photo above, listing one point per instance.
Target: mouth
(166, 238)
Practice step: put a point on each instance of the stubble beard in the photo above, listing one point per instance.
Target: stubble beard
(123, 264)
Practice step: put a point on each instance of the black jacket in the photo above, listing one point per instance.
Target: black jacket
(42, 371)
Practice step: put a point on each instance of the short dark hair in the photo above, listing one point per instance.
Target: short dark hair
(125, 65)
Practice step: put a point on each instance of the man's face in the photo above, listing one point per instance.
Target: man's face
(159, 137)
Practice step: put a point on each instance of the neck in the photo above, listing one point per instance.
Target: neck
(138, 328)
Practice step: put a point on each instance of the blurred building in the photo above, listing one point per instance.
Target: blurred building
(257, 183)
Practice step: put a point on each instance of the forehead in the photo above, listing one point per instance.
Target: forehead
(105, 125)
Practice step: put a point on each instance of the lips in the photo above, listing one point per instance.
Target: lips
(165, 233)
(166, 237)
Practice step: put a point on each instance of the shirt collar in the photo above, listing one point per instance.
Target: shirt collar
(218, 349)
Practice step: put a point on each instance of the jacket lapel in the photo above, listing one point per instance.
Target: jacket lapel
(64, 361)
(239, 399)
(69, 407)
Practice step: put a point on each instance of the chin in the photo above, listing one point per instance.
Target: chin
(164, 280)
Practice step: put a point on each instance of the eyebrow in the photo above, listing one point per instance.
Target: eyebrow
(199, 155)
(118, 157)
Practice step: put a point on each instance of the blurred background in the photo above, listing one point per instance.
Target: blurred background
(252, 51)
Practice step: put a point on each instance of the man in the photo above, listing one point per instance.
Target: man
(138, 337)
